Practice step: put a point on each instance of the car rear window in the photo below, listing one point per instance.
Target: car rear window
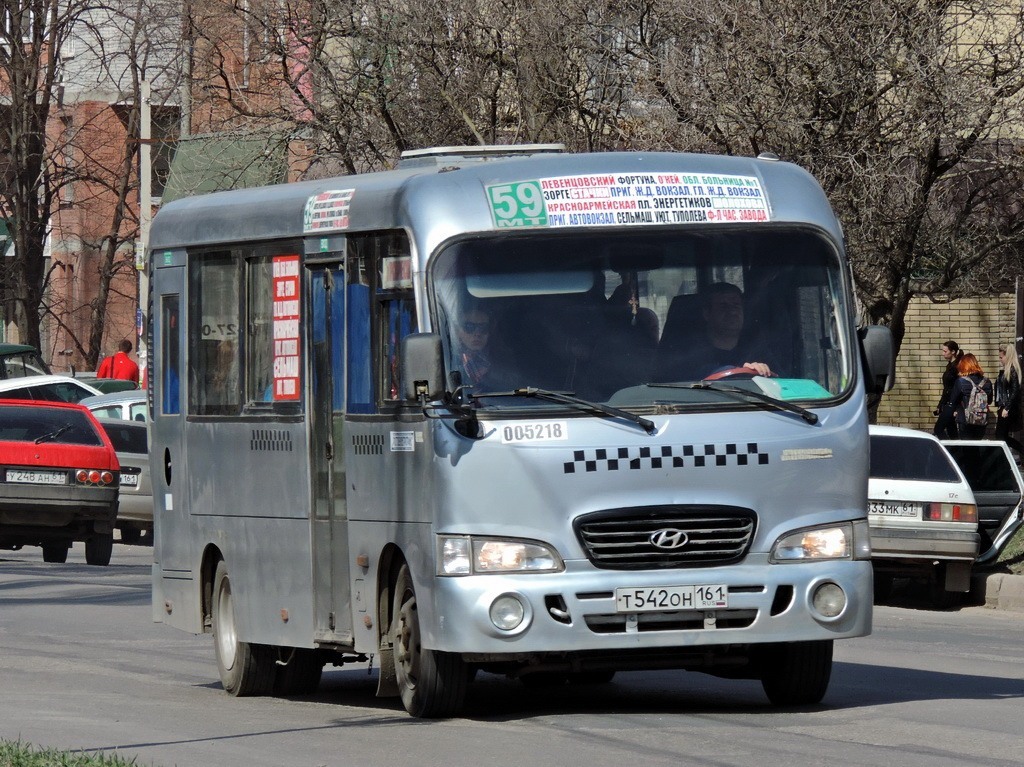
(986, 467)
(31, 424)
(910, 458)
(127, 437)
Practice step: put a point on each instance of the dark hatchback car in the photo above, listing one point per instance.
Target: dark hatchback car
(19, 360)
(59, 479)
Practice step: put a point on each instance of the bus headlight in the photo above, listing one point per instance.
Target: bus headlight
(831, 542)
(467, 555)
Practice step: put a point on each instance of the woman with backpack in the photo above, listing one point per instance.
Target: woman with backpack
(970, 398)
(1008, 411)
(945, 423)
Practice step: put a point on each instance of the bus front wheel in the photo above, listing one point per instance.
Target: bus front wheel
(432, 684)
(245, 669)
(796, 673)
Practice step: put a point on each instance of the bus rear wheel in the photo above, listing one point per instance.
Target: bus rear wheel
(432, 684)
(245, 669)
(796, 673)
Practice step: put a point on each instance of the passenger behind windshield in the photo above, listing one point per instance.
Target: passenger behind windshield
(725, 343)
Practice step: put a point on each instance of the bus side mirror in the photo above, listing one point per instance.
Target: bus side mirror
(878, 357)
(422, 367)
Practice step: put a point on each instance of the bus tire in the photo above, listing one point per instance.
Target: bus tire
(245, 669)
(796, 673)
(98, 548)
(432, 684)
(301, 674)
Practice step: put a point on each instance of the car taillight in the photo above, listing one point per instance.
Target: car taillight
(951, 512)
(94, 477)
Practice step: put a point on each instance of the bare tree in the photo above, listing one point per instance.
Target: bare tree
(907, 111)
(31, 36)
(119, 46)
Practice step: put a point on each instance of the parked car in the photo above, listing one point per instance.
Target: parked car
(20, 360)
(922, 515)
(46, 388)
(135, 500)
(126, 405)
(106, 385)
(58, 480)
(998, 489)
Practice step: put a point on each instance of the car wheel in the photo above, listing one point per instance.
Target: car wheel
(98, 548)
(941, 599)
(796, 673)
(883, 587)
(130, 535)
(56, 552)
(245, 669)
(432, 684)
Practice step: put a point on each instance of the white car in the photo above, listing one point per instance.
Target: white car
(47, 388)
(922, 514)
(135, 499)
(126, 405)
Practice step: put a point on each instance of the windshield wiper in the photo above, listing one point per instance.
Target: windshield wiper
(567, 398)
(53, 434)
(743, 394)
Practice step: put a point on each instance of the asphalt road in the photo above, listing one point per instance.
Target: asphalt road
(83, 667)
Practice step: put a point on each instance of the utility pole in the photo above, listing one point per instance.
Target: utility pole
(145, 218)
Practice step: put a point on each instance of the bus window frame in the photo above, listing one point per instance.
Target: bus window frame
(242, 257)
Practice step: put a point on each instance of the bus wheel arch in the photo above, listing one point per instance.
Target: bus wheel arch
(207, 569)
(390, 562)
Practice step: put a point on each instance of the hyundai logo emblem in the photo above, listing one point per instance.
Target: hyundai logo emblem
(669, 538)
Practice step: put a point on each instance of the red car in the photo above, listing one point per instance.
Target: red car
(59, 480)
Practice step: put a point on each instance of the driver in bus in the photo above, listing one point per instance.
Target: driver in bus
(472, 333)
(723, 346)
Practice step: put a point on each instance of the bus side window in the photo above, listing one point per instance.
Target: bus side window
(215, 360)
(381, 311)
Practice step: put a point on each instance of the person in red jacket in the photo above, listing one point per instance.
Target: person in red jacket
(120, 365)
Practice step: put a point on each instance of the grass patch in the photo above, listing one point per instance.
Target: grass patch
(1012, 555)
(18, 754)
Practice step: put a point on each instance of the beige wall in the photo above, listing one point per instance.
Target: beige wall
(979, 325)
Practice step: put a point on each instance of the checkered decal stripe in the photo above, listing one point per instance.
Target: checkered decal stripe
(665, 457)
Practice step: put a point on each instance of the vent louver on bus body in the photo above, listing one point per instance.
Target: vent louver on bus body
(666, 536)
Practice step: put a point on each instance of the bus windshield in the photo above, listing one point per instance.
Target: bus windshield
(636, 319)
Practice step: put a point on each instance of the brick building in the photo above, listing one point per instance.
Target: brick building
(980, 325)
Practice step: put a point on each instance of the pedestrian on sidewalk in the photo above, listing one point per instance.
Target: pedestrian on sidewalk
(120, 365)
(971, 396)
(945, 423)
(1008, 410)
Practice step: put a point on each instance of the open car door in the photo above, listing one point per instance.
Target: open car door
(998, 488)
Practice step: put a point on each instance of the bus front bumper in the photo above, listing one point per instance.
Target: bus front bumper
(577, 610)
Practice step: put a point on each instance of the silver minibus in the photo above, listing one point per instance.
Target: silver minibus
(517, 411)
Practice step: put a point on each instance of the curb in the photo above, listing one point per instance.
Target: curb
(999, 591)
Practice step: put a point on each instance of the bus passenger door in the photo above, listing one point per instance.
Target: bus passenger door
(174, 581)
(327, 461)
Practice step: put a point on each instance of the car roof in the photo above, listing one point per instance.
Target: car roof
(878, 430)
(41, 403)
(115, 398)
(6, 348)
(23, 382)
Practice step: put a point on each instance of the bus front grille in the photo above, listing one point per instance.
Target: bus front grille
(664, 537)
